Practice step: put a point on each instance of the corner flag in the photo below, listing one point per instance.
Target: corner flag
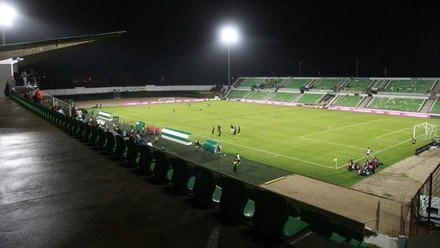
(336, 163)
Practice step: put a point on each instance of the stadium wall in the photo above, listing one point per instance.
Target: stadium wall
(138, 94)
(148, 88)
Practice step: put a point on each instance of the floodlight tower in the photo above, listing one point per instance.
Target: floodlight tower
(7, 14)
(229, 36)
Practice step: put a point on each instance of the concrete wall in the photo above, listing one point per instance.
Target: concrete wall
(5, 73)
(83, 90)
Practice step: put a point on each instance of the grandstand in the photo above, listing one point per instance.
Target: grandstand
(249, 82)
(238, 93)
(283, 96)
(435, 107)
(327, 83)
(296, 83)
(270, 83)
(403, 104)
(410, 86)
(377, 84)
(258, 95)
(416, 90)
(310, 98)
(358, 84)
(348, 101)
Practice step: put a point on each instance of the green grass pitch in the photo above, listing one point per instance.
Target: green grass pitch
(301, 140)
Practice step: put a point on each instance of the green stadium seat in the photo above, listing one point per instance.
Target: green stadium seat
(270, 216)
(101, 139)
(340, 233)
(180, 176)
(121, 148)
(318, 223)
(293, 226)
(190, 184)
(249, 209)
(81, 129)
(233, 200)
(161, 168)
(145, 159)
(204, 186)
(87, 133)
(170, 173)
(132, 153)
(216, 195)
(153, 165)
(110, 144)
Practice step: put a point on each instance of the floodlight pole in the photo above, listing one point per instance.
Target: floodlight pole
(229, 67)
(3, 39)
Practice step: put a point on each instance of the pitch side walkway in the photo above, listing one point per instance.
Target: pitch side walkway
(55, 191)
(344, 201)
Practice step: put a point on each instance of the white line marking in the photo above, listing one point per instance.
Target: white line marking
(271, 153)
(385, 149)
(338, 128)
(383, 135)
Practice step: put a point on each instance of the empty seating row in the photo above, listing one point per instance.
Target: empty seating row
(327, 84)
(357, 84)
(310, 98)
(403, 104)
(409, 86)
(348, 101)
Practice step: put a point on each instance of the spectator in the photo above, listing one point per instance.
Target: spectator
(38, 97)
(10, 86)
(24, 76)
(351, 165)
(368, 151)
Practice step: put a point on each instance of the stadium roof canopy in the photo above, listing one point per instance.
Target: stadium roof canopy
(29, 52)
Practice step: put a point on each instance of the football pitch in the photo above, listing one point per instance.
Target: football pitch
(312, 142)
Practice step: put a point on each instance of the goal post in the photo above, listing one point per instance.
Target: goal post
(166, 99)
(424, 130)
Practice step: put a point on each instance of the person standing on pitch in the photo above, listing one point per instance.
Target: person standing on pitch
(236, 162)
(368, 151)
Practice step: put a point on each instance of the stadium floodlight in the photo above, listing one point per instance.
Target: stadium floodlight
(7, 14)
(229, 36)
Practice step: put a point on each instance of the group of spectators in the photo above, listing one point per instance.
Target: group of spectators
(30, 78)
(366, 169)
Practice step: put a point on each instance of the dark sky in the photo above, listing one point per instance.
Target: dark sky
(178, 39)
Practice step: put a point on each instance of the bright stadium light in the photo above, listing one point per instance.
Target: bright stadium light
(229, 36)
(7, 14)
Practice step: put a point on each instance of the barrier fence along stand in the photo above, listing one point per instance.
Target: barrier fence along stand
(424, 207)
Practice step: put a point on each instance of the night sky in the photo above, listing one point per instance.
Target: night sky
(179, 40)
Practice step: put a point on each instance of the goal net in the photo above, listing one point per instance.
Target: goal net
(166, 99)
(424, 131)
